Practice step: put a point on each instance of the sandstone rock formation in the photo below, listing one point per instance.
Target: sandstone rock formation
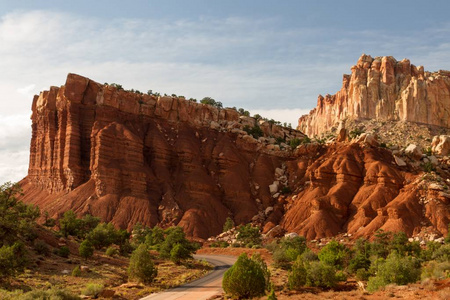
(441, 145)
(128, 158)
(385, 89)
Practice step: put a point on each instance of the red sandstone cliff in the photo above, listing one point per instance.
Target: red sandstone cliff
(128, 158)
(385, 89)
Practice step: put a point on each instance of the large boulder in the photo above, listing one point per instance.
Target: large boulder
(441, 145)
(414, 151)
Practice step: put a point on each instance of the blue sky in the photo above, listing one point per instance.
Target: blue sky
(270, 57)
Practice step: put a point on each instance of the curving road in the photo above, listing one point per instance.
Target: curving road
(202, 288)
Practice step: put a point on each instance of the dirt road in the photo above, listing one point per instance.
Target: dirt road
(203, 288)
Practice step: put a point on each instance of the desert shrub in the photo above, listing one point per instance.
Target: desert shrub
(297, 276)
(63, 251)
(86, 249)
(229, 223)
(429, 167)
(288, 251)
(334, 254)
(395, 269)
(76, 272)
(102, 235)
(41, 247)
(155, 237)
(176, 235)
(248, 234)
(244, 279)
(70, 225)
(17, 219)
(362, 274)
(428, 252)
(111, 251)
(13, 259)
(380, 246)
(48, 222)
(355, 133)
(141, 265)
(126, 248)
(361, 256)
(294, 143)
(447, 238)
(320, 274)
(306, 140)
(256, 257)
(437, 270)
(92, 289)
(442, 254)
(219, 244)
(52, 294)
(139, 233)
(179, 252)
(255, 131)
(308, 256)
(211, 101)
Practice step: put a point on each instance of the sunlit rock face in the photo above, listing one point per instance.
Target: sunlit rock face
(385, 89)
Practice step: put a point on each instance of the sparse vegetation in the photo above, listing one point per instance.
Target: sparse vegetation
(141, 265)
(229, 223)
(245, 279)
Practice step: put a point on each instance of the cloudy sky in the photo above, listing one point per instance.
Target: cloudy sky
(269, 57)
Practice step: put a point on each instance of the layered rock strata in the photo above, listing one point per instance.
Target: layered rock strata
(385, 89)
(129, 157)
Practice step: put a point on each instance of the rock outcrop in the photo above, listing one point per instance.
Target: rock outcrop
(385, 89)
(127, 157)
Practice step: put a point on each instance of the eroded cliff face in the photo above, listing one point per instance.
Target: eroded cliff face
(385, 89)
(129, 158)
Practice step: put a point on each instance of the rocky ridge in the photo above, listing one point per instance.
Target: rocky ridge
(129, 158)
(385, 89)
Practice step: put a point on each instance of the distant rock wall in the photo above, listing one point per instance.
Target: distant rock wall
(385, 89)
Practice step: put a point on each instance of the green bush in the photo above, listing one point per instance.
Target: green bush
(86, 249)
(294, 143)
(334, 254)
(141, 265)
(176, 235)
(103, 235)
(248, 234)
(320, 274)
(255, 131)
(256, 257)
(428, 253)
(362, 274)
(13, 259)
(17, 220)
(297, 276)
(442, 254)
(63, 251)
(70, 225)
(179, 252)
(211, 101)
(76, 272)
(436, 270)
(155, 237)
(41, 247)
(229, 223)
(272, 295)
(52, 294)
(244, 279)
(92, 289)
(395, 269)
(111, 251)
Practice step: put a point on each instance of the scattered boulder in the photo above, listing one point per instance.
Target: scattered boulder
(273, 188)
(342, 133)
(414, 151)
(441, 145)
(400, 162)
(291, 235)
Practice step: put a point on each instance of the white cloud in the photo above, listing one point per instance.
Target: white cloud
(27, 90)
